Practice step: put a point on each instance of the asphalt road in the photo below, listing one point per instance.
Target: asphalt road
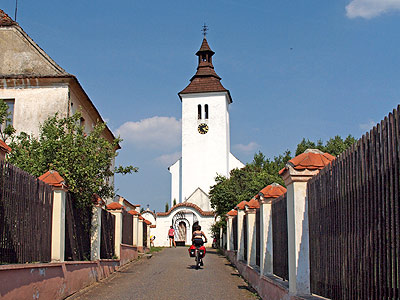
(170, 274)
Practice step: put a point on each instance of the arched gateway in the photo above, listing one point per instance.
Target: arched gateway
(182, 217)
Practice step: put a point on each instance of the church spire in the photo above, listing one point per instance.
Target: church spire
(206, 79)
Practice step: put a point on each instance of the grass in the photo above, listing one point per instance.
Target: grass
(156, 249)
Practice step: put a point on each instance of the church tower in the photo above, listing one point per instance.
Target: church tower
(205, 133)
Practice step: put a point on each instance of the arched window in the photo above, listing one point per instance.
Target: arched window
(199, 111)
(206, 111)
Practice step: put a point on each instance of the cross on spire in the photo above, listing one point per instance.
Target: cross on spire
(204, 29)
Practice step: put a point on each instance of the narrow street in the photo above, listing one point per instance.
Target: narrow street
(170, 274)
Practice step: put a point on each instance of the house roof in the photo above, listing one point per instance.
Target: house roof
(206, 79)
(4, 147)
(49, 69)
(273, 191)
(5, 20)
(311, 159)
(186, 204)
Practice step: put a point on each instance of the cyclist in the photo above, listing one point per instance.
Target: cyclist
(197, 238)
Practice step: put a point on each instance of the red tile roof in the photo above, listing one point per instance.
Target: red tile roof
(187, 204)
(114, 205)
(133, 212)
(152, 226)
(53, 178)
(140, 217)
(241, 205)
(147, 222)
(273, 191)
(232, 213)
(253, 203)
(4, 147)
(311, 159)
(5, 20)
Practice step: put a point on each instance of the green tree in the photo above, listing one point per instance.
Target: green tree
(83, 160)
(6, 129)
(174, 203)
(334, 146)
(245, 183)
(166, 207)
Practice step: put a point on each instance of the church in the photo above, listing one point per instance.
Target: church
(205, 153)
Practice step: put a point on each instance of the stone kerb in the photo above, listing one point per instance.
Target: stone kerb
(54, 179)
(295, 175)
(116, 209)
(267, 196)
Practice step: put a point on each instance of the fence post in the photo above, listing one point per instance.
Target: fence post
(95, 239)
(229, 232)
(240, 238)
(54, 179)
(140, 234)
(116, 209)
(267, 195)
(148, 235)
(221, 237)
(251, 233)
(295, 175)
(135, 229)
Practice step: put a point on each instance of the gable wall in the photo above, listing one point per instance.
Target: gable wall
(20, 55)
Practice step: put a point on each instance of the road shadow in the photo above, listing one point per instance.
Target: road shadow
(193, 267)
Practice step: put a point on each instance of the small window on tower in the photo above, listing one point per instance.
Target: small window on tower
(206, 111)
(199, 111)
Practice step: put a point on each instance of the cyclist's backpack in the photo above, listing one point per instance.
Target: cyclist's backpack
(202, 251)
(191, 251)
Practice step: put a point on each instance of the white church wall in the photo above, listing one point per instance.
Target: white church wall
(201, 199)
(176, 178)
(204, 155)
(164, 222)
(234, 162)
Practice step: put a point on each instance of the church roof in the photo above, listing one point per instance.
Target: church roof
(206, 79)
(186, 204)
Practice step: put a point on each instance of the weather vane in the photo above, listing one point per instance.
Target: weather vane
(204, 29)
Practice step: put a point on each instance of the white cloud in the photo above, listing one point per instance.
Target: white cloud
(250, 147)
(367, 126)
(371, 8)
(168, 159)
(152, 133)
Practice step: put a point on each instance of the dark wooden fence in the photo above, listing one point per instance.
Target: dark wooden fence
(26, 206)
(235, 233)
(244, 232)
(258, 236)
(127, 228)
(280, 237)
(145, 235)
(78, 222)
(354, 219)
(107, 235)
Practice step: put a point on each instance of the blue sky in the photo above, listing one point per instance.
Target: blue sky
(295, 69)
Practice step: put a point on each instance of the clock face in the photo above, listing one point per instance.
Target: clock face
(203, 128)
